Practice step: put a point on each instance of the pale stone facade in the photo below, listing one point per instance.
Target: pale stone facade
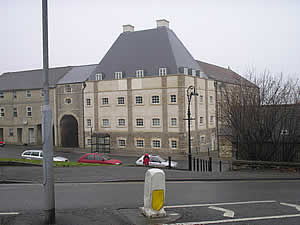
(147, 114)
(20, 122)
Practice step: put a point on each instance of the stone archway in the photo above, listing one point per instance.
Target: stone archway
(69, 131)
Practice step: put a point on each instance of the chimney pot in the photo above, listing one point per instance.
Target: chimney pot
(128, 28)
(162, 23)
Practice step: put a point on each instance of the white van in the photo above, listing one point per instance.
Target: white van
(38, 155)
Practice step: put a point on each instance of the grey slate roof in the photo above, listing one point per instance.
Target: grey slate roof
(148, 50)
(77, 74)
(31, 79)
(221, 74)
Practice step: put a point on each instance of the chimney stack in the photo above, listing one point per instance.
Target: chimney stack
(162, 23)
(128, 28)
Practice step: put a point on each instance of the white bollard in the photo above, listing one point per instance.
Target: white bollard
(154, 193)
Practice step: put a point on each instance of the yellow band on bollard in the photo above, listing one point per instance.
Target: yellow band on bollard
(157, 199)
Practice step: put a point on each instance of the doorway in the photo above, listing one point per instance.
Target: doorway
(69, 131)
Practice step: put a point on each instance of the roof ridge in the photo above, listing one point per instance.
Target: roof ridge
(33, 70)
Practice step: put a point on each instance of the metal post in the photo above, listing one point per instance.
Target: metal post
(91, 140)
(48, 182)
(198, 164)
(210, 164)
(194, 162)
(201, 165)
(169, 161)
(190, 92)
(220, 166)
(189, 131)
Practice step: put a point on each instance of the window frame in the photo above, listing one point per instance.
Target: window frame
(157, 124)
(68, 89)
(88, 102)
(137, 122)
(121, 125)
(211, 99)
(140, 97)
(122, 140)
(11, 132)
(162, 71)
(201, 99)
(103, 121)
(15, 112)
(89, 123)
(171, 144)
(118, 75)
(2, 112)
(28, 111)
(154, 142)
(172, 96)
(201, 122)
(28, 94)
(172, 119)
(155, 99)
(139, 73)
(105, 101)
(99, 76)
(139, 143)
(119, 101)
(66, 101)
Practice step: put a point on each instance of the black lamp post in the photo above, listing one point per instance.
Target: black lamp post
(190, 92)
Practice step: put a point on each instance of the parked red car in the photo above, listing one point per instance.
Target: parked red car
(2, 143)
(98, 158)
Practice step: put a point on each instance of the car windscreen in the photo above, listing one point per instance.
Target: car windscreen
(106, 157)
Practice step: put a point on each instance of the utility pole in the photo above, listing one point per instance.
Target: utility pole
(48, 181)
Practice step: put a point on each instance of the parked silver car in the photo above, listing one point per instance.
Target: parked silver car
(156, 161)
(38, 155)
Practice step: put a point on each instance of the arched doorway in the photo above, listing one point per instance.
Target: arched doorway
(69, 131)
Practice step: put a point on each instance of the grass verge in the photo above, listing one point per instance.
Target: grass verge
(55, 164)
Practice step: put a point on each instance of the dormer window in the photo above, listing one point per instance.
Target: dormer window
(99, 76)
(185, 71)
(193, 73)
(139, 73)
(118, 75)
(162, 71)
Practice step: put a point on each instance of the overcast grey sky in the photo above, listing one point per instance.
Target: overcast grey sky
(264, 34)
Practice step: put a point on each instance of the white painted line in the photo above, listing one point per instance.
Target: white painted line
(9, 213)
(291, 205)
(227, 212)
(238, 220)
(217, 204)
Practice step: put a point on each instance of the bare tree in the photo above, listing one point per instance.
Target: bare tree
(261, 115)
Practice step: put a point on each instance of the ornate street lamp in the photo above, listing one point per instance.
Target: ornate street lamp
(190, 92)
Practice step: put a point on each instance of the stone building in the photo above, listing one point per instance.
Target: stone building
(137, 95)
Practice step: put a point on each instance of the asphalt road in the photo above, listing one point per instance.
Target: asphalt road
(251, 202)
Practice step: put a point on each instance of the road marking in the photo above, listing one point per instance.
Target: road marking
(238, 220)
(291, 205)
(9, 213)
(227, 212)
(217, 204)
